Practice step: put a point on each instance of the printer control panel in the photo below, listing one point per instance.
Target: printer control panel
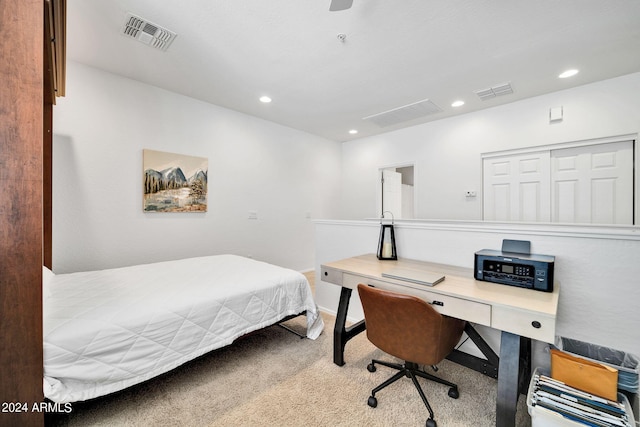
(529, 271)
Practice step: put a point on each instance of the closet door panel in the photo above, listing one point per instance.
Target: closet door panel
(593, 184)
(516, 188)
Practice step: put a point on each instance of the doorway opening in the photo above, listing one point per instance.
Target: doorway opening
(397, 192)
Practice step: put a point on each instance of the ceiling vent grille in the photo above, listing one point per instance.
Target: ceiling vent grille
(147, 32)
(492, 92)
(404, 113)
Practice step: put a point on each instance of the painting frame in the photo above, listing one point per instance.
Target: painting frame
(173, 182)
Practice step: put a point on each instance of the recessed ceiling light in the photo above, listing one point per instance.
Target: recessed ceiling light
(265, 99)
(353, 131)
(568, 73)
(457, 103)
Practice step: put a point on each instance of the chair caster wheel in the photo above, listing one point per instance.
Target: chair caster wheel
(431, 423)
(373, 402)
(453, 393)
(371, 367)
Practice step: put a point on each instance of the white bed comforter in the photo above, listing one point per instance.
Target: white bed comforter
(107, 330)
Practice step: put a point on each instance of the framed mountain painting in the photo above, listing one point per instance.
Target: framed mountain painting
(174, 182)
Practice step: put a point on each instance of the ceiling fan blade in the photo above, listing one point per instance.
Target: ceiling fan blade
(340, 5)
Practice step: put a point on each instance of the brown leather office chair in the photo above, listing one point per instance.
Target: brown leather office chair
(410, 329)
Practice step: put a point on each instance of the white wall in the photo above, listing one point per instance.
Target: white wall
(100, 130)
(446, 153)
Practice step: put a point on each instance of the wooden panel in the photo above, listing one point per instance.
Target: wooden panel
(451, 306)
(532, 325)
(603, 201)
(501, 202)
(54, 76)
(565, 202)
(594, 184)
(331, 275)
(392, 193)
(47, 178)
(529, 201)
(516, 188)
(21, 117)
(49, 98)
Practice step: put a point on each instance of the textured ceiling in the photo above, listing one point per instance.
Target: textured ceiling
(231, 52)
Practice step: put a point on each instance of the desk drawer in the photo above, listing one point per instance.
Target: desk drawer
(461, 308)
(527, 324)
(330, 275)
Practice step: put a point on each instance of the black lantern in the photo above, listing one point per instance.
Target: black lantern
(387, 241)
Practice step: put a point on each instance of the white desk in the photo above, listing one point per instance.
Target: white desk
(521, 314)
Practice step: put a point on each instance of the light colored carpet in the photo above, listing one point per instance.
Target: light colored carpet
(274, 378)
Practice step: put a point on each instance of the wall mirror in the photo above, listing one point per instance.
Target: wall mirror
(590, 182)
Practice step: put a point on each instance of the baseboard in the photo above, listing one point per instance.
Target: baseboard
(350, 320)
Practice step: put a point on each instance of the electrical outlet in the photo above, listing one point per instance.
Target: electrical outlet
(469, 194)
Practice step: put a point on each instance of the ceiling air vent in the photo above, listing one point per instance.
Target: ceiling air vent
(404, 113)
(492, 92)
(147, 32)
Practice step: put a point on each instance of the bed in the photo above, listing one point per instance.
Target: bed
(107, 330)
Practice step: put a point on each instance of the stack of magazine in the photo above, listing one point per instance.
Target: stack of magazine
(576, 405)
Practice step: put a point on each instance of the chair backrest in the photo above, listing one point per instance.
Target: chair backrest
(407, 327)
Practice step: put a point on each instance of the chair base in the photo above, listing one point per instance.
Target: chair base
(410, 370)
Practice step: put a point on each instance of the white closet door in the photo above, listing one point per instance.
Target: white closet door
(517, 188)
(593, 184)
(392, 192)
(407, 201)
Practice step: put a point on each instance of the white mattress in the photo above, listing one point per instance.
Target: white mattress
(107, 330)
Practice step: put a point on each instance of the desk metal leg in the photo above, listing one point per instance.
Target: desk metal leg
(342, 334)
(488, 366)
(514, 371)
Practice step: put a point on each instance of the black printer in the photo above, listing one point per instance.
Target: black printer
(515, 268)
